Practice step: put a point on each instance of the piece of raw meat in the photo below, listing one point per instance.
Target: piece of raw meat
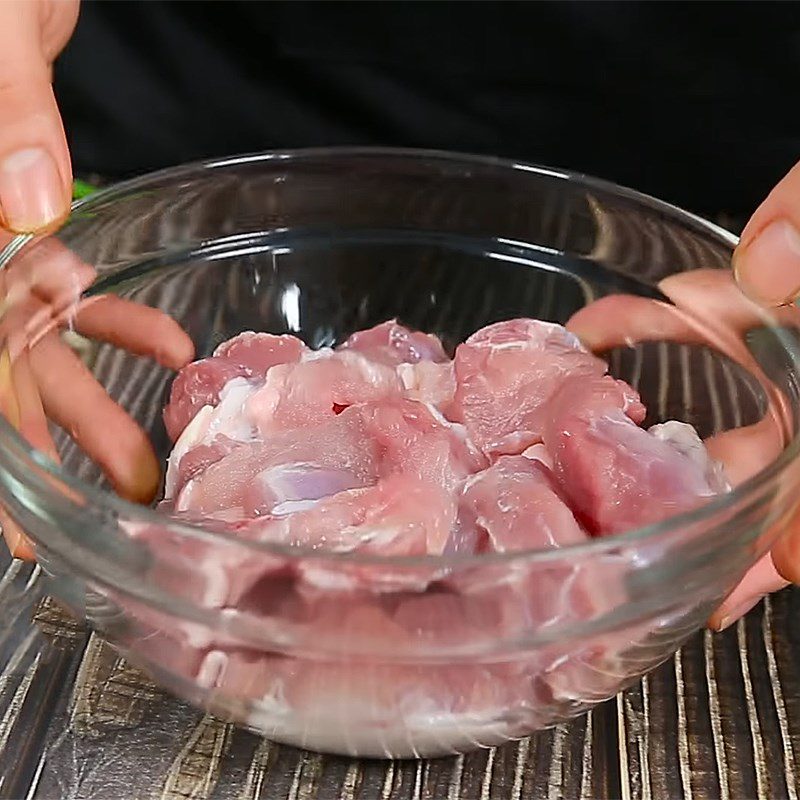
(196, 386)
(519, 506)
(505, 374)
(257, 352)
(305, 393)
(199, 384)
(212, 572)
(256, 476)
(350, 450)
(616, 475)
(429, 382)
(372, 709)
(516, 502)
(391, 344)
(350, 471)
(400, 516)
(212, 433)
(414, 439)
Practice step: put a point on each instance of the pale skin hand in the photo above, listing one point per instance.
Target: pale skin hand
(767, 268)
(35, 176)
(42, 378)
(710, 309)
(35, 171)
(39, 291)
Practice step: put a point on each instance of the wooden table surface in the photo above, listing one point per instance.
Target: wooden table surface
(719, 720)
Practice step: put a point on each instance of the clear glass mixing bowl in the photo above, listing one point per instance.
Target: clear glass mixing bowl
(322, 243)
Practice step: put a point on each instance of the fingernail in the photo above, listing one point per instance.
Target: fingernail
(737, 612)
(31, 193)
(767, 269)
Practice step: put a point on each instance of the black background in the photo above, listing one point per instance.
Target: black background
(696, 103)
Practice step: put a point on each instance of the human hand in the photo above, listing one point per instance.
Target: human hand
(766, 264)
(35, 171)
(42, 378)
(709, 309)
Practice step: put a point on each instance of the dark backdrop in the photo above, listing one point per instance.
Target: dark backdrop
(694, 102)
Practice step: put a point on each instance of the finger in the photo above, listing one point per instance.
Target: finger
(137, 328)
(16, 541)
(712, 301)
(746, 451)
(73, 399)
(716, 301)
(786, 553)
(54, 275)
(706, 303)
(708, 309)
(40, 289)
(24, 322)
(761, 580)
(21, 405)
(33, 426)
(767, 260)
(32, 420)
(52, 271)
(35, 172)
(622, 320)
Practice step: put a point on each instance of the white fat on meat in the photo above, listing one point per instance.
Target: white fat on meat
(685, 439)
(226, 418)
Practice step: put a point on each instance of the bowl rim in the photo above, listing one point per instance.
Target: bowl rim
(15, 450)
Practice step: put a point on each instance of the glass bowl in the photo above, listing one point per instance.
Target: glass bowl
(459, 651)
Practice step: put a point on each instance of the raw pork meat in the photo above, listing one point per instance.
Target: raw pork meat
(534, 444)
(348, 468)
(246, 355)
(392, 344)
(253, 477)
(616, 475)
(517, 503)
(505, 375)
(197, 386)
(301, 394)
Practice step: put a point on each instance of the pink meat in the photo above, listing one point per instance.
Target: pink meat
(350, 450)
(257, 476)
(391, 344)
(414, 439)
(195, 386)
(210, 573)
(429, 382)
(374, 710)
(385, 448)
(518, 505)
(400, 515)
(505, 374)
(257, 352)
(200, 383)
(213, 433)
(306, 393)
(515, 501)
(616, 475)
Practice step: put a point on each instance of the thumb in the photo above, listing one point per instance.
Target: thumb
(35, 172)
(767, 261)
